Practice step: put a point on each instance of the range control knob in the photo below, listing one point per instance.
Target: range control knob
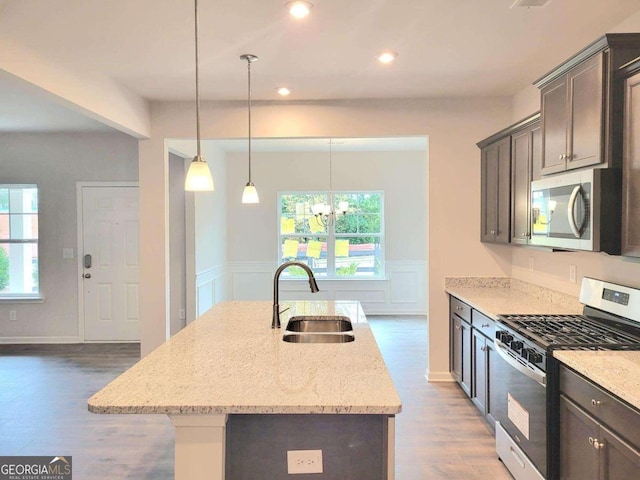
(535, 357)
(504, 337)
(516, 345)
(531, 355)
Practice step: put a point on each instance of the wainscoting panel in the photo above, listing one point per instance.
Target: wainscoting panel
(404, 291)
(211, 288)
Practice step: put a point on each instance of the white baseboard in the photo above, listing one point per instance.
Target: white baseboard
(433, 377)
(41, 340)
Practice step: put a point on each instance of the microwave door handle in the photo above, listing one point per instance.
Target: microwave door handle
(571, 211)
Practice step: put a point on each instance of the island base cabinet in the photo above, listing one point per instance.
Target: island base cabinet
(354, 447)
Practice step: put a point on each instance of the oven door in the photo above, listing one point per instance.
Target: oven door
(518, 399)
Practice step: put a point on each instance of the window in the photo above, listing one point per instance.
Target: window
(19, 241)
(349, 247)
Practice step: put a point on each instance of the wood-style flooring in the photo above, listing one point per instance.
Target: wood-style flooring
(43, 411)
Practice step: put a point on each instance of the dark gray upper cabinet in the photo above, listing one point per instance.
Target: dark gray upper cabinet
(581, 106)
(496, 191)
(526, 162)
(631, 168)
(510, 159)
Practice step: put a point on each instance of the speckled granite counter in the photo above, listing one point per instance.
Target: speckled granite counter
(618, 372)
(230, 361)
(495, 296)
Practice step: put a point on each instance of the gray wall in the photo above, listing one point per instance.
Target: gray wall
(55, 162)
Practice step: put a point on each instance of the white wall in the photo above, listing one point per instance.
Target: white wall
(56, 162)
(211, 234)
(253, 229)
(551, 269)
(453, 128)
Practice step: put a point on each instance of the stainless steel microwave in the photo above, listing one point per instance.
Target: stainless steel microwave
(578, 210)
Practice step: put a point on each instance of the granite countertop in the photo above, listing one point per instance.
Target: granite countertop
(496, 296)
(615, 371)
(230, 361)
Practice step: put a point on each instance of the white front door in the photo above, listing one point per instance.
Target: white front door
(110, 263)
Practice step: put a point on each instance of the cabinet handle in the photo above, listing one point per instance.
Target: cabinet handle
(595, 403)
(459, 308)
(457, 327)
(596, 444)
(484, 325)
(492, 232)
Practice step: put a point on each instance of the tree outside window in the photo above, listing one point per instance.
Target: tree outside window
(349, 247)
(19, 241)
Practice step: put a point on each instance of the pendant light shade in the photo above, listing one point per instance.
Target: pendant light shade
(250, 193)
(199, 177)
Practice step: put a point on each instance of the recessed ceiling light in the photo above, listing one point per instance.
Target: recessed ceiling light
(387, 56)
(283, 91)
(299, 8)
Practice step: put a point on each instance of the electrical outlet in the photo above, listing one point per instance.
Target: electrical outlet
(182, 314)
(572, 273)
(531, 264)
(13, 315)
(304, 461)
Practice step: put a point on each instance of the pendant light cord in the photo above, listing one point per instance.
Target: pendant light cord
(330, 168)
(197, 85)
(249, 105)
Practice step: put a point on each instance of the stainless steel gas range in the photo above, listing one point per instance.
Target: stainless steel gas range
(525, 372)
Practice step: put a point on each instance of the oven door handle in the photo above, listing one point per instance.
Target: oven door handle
(532, 372)
(571, 210)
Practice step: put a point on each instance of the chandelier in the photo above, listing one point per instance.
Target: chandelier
(325, 214)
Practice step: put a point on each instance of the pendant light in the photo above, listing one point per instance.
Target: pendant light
(250, 194)
(198, 176)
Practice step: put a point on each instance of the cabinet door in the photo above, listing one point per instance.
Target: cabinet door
(631, 169)
(585, 101)
(496, 192)
(456, 348)
(618, 459)
(479, 365)
(461, 345)
(521, 153)
(578, 457)
(554, 126)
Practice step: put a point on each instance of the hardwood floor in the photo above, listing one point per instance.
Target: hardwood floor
(43, 411)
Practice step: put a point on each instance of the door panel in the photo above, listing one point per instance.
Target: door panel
(585, 98)
(554, 126)
(111, 283)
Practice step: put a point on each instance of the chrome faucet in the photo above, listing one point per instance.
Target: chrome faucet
(275, 322)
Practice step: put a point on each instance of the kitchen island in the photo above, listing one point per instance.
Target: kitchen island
(229, 372)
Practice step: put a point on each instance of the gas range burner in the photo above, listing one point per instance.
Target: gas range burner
(554, 330)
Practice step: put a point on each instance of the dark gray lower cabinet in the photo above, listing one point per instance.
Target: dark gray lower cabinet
(598, 433)
(472, 354)
(461, 352)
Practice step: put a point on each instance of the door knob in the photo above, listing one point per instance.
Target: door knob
(87, 275)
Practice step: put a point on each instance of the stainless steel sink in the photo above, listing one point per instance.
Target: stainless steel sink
(319, 324)
(318, 338)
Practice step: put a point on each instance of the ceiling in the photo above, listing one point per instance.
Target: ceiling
(447, 48)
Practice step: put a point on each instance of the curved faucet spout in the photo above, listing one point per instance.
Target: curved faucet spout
(275, 321)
